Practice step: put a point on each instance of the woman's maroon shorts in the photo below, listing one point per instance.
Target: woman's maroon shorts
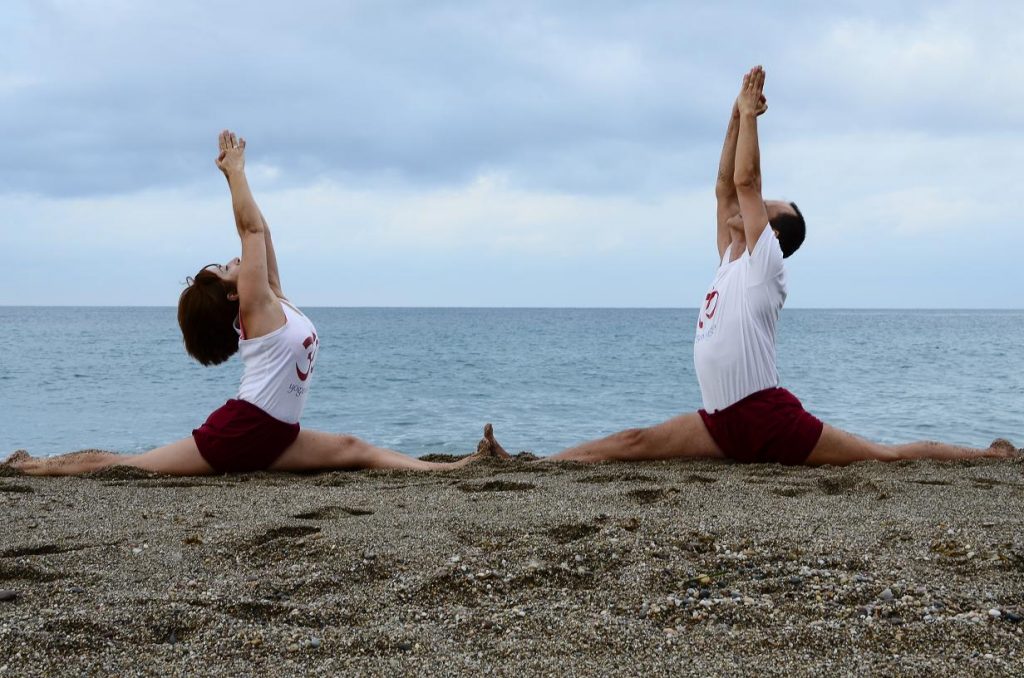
(241, 437)
(767, 426)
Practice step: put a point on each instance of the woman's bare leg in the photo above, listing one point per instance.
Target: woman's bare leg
(179, 459)
(838, 448)
(682, 437)
(317, 451)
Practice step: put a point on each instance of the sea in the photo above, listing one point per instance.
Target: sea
(423, 380)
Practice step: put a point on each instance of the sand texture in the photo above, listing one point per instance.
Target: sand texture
(911, 569)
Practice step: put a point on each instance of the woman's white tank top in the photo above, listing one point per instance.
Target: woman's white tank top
(278, 367)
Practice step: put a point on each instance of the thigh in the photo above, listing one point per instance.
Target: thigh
(682, 437)
(838, 448)
(177, 459)
(318, 451)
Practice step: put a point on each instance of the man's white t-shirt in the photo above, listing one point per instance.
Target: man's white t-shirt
(734, 349)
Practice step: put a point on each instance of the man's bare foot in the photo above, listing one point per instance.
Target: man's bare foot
(1004, 446)
(489, 447)
(18, 457)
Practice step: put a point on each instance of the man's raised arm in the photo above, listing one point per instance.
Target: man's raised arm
(725, 189)
(747, 175)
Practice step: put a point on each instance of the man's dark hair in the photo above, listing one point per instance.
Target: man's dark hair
(792, 230)
(207, 318)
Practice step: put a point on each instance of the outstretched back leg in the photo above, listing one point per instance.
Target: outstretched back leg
(838, 448)
(682, 437)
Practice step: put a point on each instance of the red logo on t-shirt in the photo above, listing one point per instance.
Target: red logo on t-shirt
(710, 306)
(311, 356)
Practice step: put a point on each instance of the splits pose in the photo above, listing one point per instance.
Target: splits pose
(747, 416)
(239, 306)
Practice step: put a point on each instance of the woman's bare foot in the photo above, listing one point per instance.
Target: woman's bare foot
(18, 457)
(489, 447)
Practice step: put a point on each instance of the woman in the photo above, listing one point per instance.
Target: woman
(233, 307)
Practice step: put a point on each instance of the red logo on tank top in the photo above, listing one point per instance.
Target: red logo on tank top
(311, 341)
(710, 306)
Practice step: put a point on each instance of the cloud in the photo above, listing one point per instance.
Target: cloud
(533, 136)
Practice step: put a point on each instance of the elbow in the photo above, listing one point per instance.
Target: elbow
(248, 224)
(747, 181)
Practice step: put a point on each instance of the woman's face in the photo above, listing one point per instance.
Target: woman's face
(227, 272)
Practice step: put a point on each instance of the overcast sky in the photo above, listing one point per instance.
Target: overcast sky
(508, 153)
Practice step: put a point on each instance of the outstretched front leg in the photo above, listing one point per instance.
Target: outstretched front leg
(71, 464)
(177, 459)
(682, 437)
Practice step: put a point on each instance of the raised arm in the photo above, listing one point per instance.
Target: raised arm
(272, 275)
(257, 303)
(725, 189)
(747, 175)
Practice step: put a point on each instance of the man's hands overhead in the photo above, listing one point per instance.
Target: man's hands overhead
(751, 99)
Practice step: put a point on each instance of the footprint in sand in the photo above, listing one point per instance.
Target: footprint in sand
(650, 495)
(497, 486)
(289, 532)
(564, 534)
(42, 550)
(332, 513)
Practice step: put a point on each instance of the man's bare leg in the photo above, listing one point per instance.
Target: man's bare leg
(682, 437)
(838, 448)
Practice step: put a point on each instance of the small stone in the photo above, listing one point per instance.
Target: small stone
(454, 559)
(704, 580)
(6, 595)
(705, 593)
(369, 555)
(1013, 617)
(404, 646)
(795, 580)
(293, 648)
(76, 589)
(995, 613)
(314, 643)
(863, 612)
(887, 595)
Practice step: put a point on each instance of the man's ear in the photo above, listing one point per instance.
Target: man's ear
(232, 296)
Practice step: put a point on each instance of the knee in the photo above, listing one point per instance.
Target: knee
(887, 453)
(348, 452)
(634, 442)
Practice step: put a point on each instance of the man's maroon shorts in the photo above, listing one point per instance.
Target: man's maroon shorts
(240, 437)
(765, 427)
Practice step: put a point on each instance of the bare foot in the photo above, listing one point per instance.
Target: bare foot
(489, 447)
(18, 457)
(1004, 446)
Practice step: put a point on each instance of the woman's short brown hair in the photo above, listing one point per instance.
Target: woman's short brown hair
(207, 318)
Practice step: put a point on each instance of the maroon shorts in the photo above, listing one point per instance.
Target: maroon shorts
(240, 437)
(765, 427)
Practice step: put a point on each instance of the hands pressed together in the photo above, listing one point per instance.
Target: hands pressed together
(751, 99)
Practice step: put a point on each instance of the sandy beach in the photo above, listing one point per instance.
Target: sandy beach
(518, 569)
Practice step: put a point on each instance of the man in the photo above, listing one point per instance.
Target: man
(747, 416)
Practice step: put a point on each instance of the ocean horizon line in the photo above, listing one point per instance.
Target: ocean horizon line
(549, 308)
